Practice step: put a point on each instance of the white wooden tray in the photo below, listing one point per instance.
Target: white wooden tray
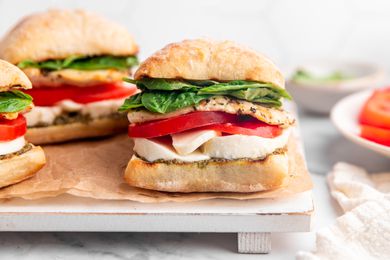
(253, 220)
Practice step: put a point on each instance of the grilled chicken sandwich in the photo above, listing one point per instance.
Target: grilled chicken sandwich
(19, 159)
(76, 61)
(209, 119)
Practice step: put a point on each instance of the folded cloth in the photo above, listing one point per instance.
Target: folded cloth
(363, 232)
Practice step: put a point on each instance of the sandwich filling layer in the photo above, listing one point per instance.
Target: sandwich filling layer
(77, 89)
(68, 111)
(230, 147)
(12, 123)
(7, 147)
(78, 70)
(192, 121)
(27, 147)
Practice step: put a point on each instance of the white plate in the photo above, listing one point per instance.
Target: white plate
(344, 116)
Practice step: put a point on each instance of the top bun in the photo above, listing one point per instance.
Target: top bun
(11, 77)
(205, 59)
(58, 34)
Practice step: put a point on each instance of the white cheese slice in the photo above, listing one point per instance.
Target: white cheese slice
(188, 141)
(12, 146)
(153, 150)
(242, 146)
(46, 115)
(42, 115)
(102, 108)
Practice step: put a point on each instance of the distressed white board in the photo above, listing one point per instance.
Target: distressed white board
(68, 213)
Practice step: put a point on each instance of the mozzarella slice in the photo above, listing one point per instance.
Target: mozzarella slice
(42, 115)
(242, 146)
(47, 115)
(187, 142)
(12, 146)
(153, 150)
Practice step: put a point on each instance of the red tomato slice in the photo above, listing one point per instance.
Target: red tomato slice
(12, 129)
(219, 121)
(376, 111)
(178, 124)
(253, 127)
(376, 134)
(50, 96)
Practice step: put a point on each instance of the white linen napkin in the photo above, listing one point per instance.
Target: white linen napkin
(363, 232)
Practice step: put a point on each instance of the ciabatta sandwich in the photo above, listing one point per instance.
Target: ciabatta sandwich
(209, 119)
(76, 61)
(19, 159)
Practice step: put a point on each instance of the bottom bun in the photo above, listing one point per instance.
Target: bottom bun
(66, 132)
(21, 166)
(209, 176)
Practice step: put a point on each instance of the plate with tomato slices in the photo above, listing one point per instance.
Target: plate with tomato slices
(364, 118)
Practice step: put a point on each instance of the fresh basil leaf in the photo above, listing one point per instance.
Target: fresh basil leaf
(68, 61)
(14, 101)
(27, 64)
(233, 85)
(166, 95)
(164, 102)
(202, 83)
(102, 62)
(132, 102)
(250, 94)
(282, 93)
(268, 101)
(83, 63)
(132, 81)
(164, 84)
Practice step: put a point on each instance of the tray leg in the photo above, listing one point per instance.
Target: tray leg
(254, 243)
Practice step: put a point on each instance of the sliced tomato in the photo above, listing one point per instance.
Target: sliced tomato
(50, 96)
(252, 127)
(178, 124)
(376, 111)
(376, 134)
(12, 129)
(219, 121)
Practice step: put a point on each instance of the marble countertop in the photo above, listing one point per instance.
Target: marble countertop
(323, 146)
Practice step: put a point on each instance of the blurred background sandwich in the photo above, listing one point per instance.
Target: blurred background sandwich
(76, 61)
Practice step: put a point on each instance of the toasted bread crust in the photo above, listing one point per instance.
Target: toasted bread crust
(74, 131)
(11, 77)
(203, 59)
(58, 34)
(213, 176)
(21, 167)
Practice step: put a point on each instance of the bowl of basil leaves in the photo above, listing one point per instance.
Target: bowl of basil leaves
(317, 86)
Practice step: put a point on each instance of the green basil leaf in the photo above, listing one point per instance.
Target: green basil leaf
(14, 101)
(27, 64)
(83, 63)
(268, 101)
(202, 83)
(131, 103)
(233, 85)
(166, 95)
(68, 61)
(164, 102)
(102, 62)
(164, 84)
(250, 94)
(133, 81)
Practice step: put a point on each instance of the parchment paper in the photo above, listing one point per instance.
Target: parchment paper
(95, 169)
